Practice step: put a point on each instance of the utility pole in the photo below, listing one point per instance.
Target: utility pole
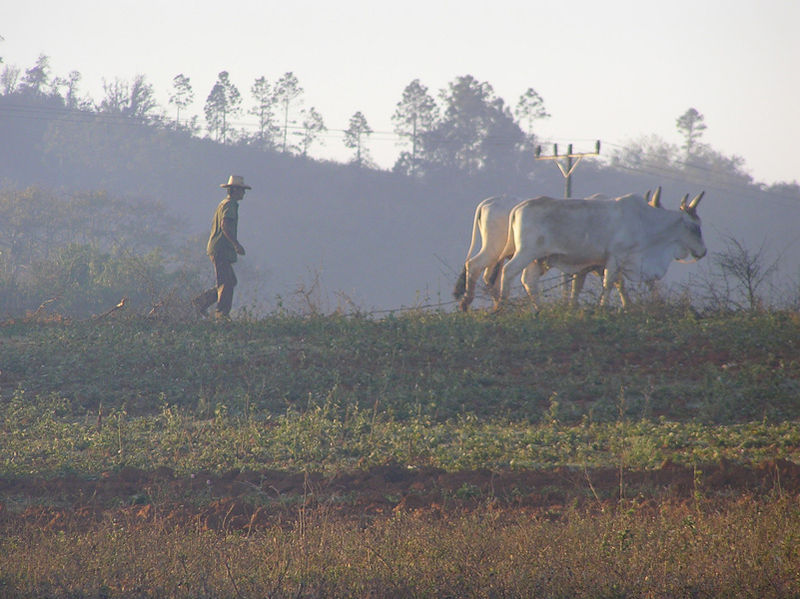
(571, 163)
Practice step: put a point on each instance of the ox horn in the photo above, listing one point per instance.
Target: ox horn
(693, 204)
(655, 201)
(683, 202)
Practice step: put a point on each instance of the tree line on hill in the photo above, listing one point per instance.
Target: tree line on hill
(115, 190)
(469, 129)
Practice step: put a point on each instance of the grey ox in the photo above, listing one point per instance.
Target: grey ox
(491, 222)
(628, 237)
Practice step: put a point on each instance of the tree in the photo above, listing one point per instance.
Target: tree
(710, 166)
(652, 154)
(37, 77)
(9, 79)
(353, 137)
(416, 114)
(691, 125)
(141, 99)
(261, 91)
(477, 131)
(116, 96)
(88, 249)
(70, 98)
(313, 126)
(646, 153)
(223, 101)
(786, 188)
(182, 95)
(71, 83)
(287, 90)
(530, 107)
(8, 76)
(135, 100)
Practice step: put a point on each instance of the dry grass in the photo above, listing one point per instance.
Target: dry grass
(740, 548)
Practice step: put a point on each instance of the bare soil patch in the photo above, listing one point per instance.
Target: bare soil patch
(248, 500)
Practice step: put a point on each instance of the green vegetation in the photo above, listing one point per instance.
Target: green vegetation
(590, 401)
(440, 389)
(78, 254)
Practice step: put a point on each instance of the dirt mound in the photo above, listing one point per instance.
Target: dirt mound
(246, 500)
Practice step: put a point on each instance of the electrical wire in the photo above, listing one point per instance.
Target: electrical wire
(645, 168)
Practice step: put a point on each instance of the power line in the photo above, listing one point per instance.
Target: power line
(74, 115)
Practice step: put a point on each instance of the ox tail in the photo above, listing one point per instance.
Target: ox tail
(461, 283)
(495, 272)
(508, 250)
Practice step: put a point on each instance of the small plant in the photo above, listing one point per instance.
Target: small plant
(738, 279)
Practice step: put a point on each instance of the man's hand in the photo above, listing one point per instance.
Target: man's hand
(227, 231)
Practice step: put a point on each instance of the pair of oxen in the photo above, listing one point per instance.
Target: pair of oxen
(632, 237)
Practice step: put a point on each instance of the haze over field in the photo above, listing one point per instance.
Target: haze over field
(606, 70)
(350, 225)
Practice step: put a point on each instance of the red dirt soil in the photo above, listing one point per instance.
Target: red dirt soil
(248, 500)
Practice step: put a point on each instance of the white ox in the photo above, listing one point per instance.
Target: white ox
(628, 237)
(491, 221)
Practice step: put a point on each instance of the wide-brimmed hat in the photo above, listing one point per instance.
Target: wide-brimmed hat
(236, 181)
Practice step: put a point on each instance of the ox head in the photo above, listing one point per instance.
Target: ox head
(693, 235)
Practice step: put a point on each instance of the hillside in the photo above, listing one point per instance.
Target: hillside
(357, 236)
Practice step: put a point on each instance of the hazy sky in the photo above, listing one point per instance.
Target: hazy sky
(613, 70)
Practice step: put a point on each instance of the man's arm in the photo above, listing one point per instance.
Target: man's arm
(228, 232)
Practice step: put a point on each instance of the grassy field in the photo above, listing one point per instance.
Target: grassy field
(652, 453)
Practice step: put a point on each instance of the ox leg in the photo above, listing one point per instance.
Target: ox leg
(610, 277)
(567, 285)
(578, 281)
(472, 270)
(469, 291)
(623, 296)
(511, 270)
(492, 278)
(530, 279)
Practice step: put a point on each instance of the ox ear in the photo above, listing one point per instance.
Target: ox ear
(655, 201)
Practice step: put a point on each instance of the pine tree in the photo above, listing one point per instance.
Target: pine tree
(415, 115)
(530, 107)
(182, 96)
(313, 126)
(261, 91)
(354, 137)
(37, 77)
(691, 124)
(287, 90)
(223, 101)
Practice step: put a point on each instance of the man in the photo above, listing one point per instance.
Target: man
(223, 248)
